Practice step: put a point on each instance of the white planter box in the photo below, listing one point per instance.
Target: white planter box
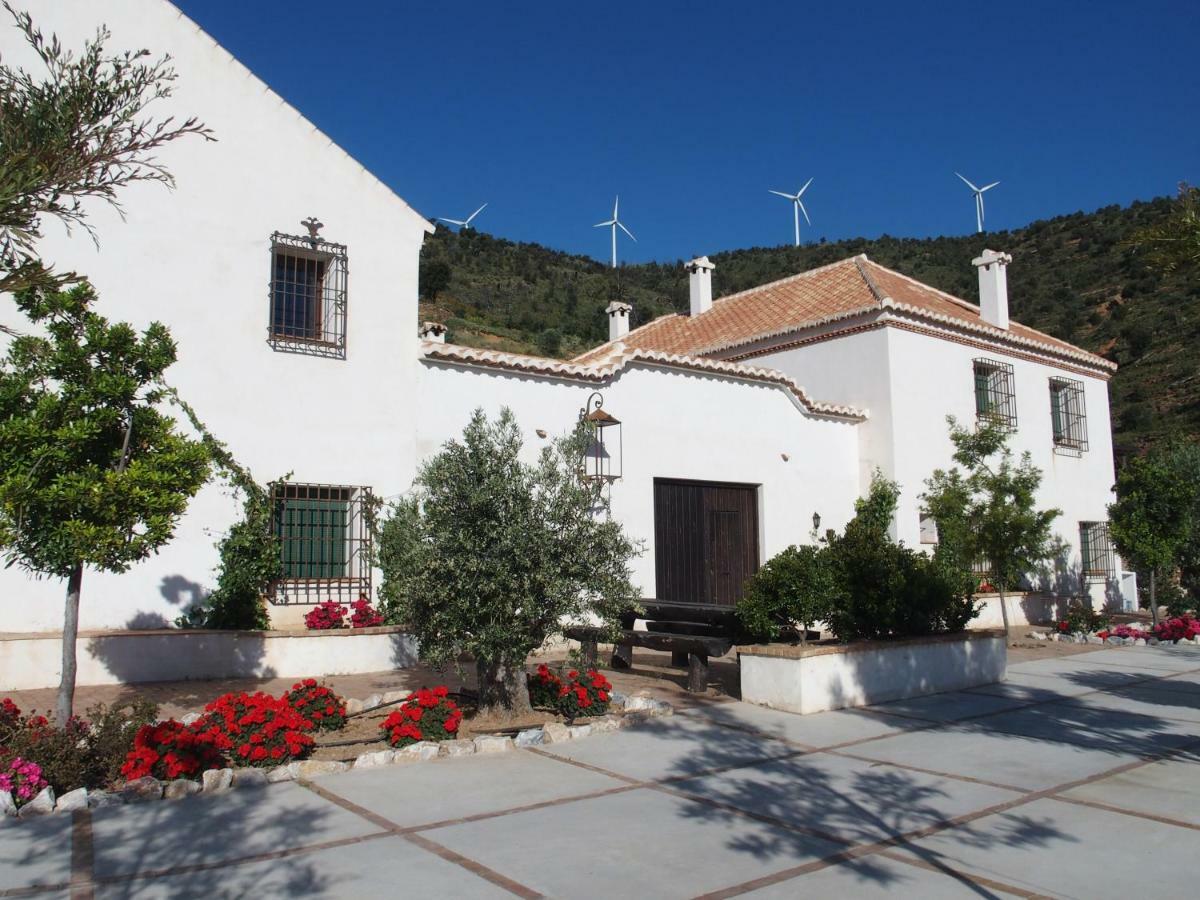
(28, 662)
(816, 678)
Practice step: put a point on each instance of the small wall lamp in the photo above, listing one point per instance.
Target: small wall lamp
(816, 521)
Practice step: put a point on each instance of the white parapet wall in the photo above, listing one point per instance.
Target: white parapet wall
(1023, 610)
(807, 679)
(28, 662)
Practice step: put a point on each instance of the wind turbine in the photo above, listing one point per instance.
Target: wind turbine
(978, 200)
(615, 223)
(797, 206)
(463, 223)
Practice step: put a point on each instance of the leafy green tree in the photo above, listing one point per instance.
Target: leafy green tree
(1175, 242)
(92, 473)
(507, 551)
(433, 277)
(80, 131)
(988, 510)
(1155, 521)
(399, 555)
(549, 342)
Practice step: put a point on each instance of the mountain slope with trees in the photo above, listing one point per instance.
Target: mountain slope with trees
(1076, 277)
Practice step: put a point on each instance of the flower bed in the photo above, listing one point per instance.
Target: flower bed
(239, 735)
(570, 693)
(331, 614)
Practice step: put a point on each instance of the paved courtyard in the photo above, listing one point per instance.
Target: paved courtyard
(1078, 777)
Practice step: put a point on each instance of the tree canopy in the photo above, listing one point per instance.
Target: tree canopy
(497, 552)
(987, 511)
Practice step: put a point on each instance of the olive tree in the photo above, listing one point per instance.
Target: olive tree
(92, 471)
(77, 130)
(496, 553)
(988, 509)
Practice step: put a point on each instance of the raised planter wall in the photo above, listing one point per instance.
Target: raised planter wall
(817, 678)
(28, 662)
(1023, 610)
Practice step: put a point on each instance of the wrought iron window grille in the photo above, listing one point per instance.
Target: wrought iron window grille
(1098, 560)
(995, 394)
(325, 542)
(1068, 416)
(307, 295)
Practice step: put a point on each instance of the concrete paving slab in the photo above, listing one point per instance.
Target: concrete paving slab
(1145, 700)
(1026, 688)
(874, 878)
(454, 788)
(1005, 758)
(1065, 850)
(386, 867)
(664, 748)
(951, 706)
(814, 730)
(1171, 658)
(1097, 723)
(851, 799)
(1187, 682)
(162, 835)
(640, 843)
(1168, 788)
(35, 852)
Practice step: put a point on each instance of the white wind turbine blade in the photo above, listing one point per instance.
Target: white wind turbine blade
(616, 203)
(627, 231)
(451, 221)
(971, 186)
(989, 187)
(800, 203)
(800, 193)
(477, 212)
(782, 194)
(605, 224)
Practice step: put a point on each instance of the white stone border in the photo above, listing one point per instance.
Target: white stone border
(632, 710)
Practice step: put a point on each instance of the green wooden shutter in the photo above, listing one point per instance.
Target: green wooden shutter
(314, 534)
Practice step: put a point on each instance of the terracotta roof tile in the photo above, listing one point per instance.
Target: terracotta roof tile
(850, 287)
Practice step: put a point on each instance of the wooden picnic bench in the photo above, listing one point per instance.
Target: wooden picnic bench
(691, 632)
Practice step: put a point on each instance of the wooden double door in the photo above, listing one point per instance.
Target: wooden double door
(705, 540)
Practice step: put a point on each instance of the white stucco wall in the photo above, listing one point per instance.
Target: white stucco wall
(675, 425)
(198, 259)
(912, 382)
(934, 379)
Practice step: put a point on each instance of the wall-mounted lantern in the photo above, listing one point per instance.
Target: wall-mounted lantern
(602, 453)
(816, 521)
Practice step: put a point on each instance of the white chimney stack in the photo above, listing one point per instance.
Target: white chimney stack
(618, 319)
(993, 287)
(700, 284)
(433, 331)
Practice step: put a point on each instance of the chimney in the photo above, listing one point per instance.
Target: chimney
(993, 287)
(432, 331)
(700, 284)
(618, 319)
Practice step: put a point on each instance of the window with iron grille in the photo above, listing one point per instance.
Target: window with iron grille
(1068, 417)
(308, 296)
(995, 396)
(1097, 559)
(324, 542)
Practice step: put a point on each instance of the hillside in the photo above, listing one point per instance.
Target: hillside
(1072, 276)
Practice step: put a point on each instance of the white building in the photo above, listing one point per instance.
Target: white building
(310, 374)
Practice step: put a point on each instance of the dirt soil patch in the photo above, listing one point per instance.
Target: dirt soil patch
(364, 734)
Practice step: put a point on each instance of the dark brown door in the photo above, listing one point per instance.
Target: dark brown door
(705, 540)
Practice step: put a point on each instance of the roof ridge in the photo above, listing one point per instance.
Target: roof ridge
(861, 265)
(607, 368)
(929, 287)
(789, 278)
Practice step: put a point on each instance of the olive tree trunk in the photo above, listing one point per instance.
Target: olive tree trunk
(66, 687)
(503, 690)
(1153, 600)
(1004, 614)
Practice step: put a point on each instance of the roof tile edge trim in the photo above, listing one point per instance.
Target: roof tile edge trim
(609, 367)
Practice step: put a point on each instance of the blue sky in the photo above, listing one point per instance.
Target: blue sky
(692, 111)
